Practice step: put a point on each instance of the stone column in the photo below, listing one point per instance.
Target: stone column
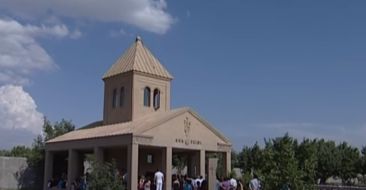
(48, 168)
(72, 167)
(203, 163)
(132, 162)
(99, 154)
(228, 162)
(168, 168)
(212, 166)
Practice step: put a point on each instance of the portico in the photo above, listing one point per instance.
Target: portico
(139, 130)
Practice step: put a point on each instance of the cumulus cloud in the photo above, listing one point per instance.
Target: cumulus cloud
(21, 54)
(118, 33)
(149, 15)
(76, 34)
(18, 111)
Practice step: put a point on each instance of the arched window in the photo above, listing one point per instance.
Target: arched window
(147, 96)
(114, 99)
(156, 99)
(121, 96)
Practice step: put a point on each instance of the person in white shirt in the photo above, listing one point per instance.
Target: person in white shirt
(233, 183)
(199, 181)
(158, 179)
(254, 184)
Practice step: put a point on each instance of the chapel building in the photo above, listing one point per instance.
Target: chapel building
(139, 129)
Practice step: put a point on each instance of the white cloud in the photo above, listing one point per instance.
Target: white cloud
(118, 33)
(76, 34)
(150, 15)
(21, 54)
(18, 110)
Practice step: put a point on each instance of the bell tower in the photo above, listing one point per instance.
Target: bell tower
(135, 85)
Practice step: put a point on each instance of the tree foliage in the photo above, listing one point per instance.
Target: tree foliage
(307, 160)
(283, 161)
(328, 160)
(37, 158)
(58, 128)
(17, 151)
(281, 166)
(104, 176)
(179, 161)
(362, 162)
(348, 160)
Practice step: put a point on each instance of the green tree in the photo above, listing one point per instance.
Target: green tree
(307, 159)
(21, 151)
(349, 158)
(362, 164)
(363, 161)
(234, 159)
(104, 176)
(281, 166)
(179, 161)
(283, 161)
(251, 159)
(58, 128)
(243, 159)
(36, 155)
(328, 160)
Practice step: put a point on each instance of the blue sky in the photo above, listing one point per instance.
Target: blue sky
(254, 69)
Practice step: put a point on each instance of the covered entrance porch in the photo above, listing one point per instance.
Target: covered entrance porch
(141, 147)
(135, 160)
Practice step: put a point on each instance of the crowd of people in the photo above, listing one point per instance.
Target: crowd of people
(228, 184)
(235, 184)
(188, 183)
(60, 183)
(179, 182)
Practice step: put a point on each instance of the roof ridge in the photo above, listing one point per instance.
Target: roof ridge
(138, 57)
(136, 127)
(134, 53)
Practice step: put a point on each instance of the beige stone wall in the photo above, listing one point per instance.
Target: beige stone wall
(117, 114)
(141, 81)
(173, 133)
(9, 166)
(133, 107)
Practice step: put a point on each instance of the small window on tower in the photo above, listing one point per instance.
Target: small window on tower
(156, 99)
(114, 99)
(147, 96)
(121, 96)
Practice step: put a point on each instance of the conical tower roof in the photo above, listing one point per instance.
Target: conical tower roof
(138, 58)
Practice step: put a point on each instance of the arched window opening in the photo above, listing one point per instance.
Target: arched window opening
(121, 96)
(147, 96)
(156, 99)
(114, 99)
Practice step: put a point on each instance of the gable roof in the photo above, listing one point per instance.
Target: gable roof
(138, 58)
(136, 127)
